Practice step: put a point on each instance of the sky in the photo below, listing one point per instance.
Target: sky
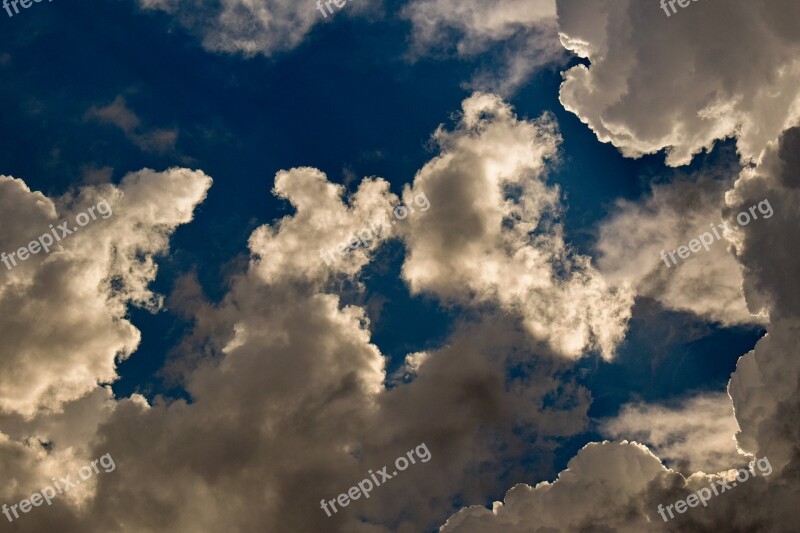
(405, 266)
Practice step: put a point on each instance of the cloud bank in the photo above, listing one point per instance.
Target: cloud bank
(65, 325)
(287, 390)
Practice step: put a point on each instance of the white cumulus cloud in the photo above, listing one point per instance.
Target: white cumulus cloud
(684, 81)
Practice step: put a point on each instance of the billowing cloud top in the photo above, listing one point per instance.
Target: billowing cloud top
(64, 320)
(286, 386)
(681, 82)
(763, 390)
(495, 234)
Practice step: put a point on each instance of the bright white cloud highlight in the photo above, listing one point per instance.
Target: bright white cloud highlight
(64, 322)
(489, 192)
(764, 395)
(696, 435)
(684, 81)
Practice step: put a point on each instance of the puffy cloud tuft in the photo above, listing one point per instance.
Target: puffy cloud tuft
(64, 326)
(494, 232)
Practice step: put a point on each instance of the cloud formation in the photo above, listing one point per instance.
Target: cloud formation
(495, 233)
(636, 233)
(526, 28)
(696, 435)
(287, 389)
(763, 390)
(288, 392)
(64, 326)
(684, 81)
(248, 27)
(764, 386)
(120, 115)
(603, 484)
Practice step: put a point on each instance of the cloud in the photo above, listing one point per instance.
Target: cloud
(53, 445)
(765, 246)
(696, 435)
(764, 387)
(633, 237)
(490, 195)
(118, 114)
(684, 81)
(249, 27)
(298, 417)
(65, 324)
(287, 389)
(298, 245)
(526, 30)
(763, 390)
(289, 392)
(477, 25)
(618, 487)
(603, 484)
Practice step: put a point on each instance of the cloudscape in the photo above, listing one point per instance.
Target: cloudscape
(414, 266)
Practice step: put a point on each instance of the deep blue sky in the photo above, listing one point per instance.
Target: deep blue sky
(345, 102)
